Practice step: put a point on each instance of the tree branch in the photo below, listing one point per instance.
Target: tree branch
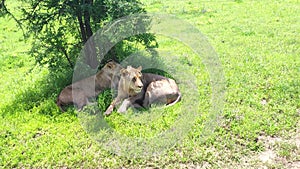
(4, 9)
(67, 56)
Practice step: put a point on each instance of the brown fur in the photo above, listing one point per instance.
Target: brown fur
(163, 91)
(79, 92)
(143, 89)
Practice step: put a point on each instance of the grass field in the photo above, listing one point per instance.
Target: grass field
(258, 45)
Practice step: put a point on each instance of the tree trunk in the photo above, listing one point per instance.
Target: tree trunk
(90, 54)
(87, 18)
(81, 25)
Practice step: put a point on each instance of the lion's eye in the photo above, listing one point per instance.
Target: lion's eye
(134, 79)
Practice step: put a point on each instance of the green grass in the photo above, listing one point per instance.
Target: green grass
(259, 48)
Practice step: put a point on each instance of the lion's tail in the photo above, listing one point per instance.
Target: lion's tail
(177, 100)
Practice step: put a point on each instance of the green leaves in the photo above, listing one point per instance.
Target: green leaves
(60, 28)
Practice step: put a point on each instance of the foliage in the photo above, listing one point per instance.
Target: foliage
(60, 28)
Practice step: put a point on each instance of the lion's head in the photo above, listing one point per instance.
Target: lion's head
(131, 81)
(109, 75)
(112, 67)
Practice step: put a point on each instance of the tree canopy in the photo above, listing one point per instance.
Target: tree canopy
(60, 28)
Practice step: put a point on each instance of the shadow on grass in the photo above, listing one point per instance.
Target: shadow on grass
(40, 95)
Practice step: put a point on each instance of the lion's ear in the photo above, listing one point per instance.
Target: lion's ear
(110, 65)
(140, 68)
(124, 72)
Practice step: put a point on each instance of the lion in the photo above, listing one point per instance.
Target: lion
(164, 91)
(142, 90)
(81, 91)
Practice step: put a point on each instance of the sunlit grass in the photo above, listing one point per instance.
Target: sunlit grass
(258, 45)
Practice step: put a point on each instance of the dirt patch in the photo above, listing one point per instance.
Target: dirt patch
(281, 152)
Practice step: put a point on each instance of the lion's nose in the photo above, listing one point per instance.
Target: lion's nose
(140, 86)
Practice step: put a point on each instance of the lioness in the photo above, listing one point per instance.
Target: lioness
(162, 91)
(79, 92)
(143, 89)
